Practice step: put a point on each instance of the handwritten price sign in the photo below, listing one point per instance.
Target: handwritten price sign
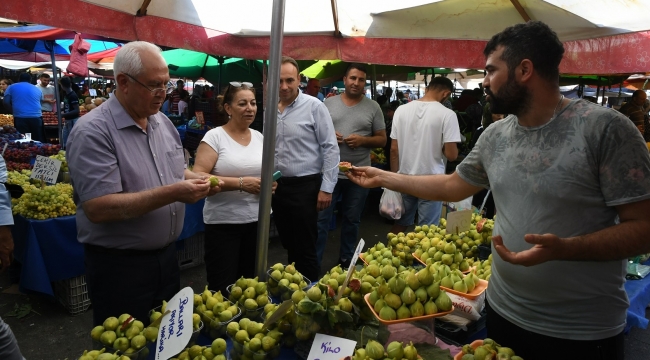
(46, 169)
(175, 328)
(327, 347)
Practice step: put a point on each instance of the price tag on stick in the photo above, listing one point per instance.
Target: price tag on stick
(175, 328)
(353, 263)
(46, 169)
(327, 347)
(459, 221)
(278, 313)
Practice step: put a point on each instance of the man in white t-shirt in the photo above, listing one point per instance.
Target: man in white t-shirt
(48, 100)
(424, 137)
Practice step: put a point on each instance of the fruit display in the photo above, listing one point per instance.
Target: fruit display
(6, 119)
(484, 268)
(251, 294)
(26, 151)
(216, 351)
(486, 349)
(14, 166)
(50, 118)
(408, 294)
(123, 336)
(395, 350)
(283, 325)
(215, 311)
(251, 341)
(458, 283)
(8, 132)
(377, 156)
(284, 280)
(44, 203)
(60, 155)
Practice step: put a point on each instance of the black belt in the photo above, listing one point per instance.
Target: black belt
(125, 252)
(292, 180)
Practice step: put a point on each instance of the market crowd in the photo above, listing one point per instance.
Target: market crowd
(570, 182)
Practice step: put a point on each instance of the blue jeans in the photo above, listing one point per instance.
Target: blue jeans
(67, 128)
(428, 211)
(352, 203)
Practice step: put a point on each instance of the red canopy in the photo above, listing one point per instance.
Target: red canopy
(616, 54)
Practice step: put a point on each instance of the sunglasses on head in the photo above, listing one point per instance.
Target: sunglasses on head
(240, 84)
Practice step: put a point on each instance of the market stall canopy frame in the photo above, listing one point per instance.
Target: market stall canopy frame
(600, 36)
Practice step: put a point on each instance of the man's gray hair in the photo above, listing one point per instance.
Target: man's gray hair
(128, 59)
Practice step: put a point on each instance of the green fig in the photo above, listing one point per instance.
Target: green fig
(96, 332)
(403, 312)
(410, 352)
(417, 309)
(421, 294)
(460, 286)
(424, 276)
(111, 323)
(108, 337)
(430, 307)
(394, 301)
(408, 296)
(374, 350)
(395, 350)
(443, 302)
(433, 290)
(387, 313)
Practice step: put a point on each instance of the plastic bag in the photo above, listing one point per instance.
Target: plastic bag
(467, 308)
(391, 205)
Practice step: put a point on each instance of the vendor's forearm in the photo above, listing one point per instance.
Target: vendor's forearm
(430, 187)
(617, 242)
(230, 183)
(124, 206)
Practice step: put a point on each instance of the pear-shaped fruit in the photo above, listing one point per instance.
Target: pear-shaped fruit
(138, 342)
(374, 350)
(460, 286)
(108, 337)
(242, 336)
(446, 282)
(443, 302)
(232, 328)
(218, 346)
(395, 350)
(430, 307)
(469, 282)
(111, 323)
(394, 301)
(408, 296)
(403, 312)
(410, 352)
(417, 309)
(424, 276)
(121, 344)
(96, 332)
(387, 313)
(379, 304)
(314, 293)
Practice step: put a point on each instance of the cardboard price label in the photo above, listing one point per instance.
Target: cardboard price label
(46, 169)
(459, 221)
(175, 328)
(327, 347)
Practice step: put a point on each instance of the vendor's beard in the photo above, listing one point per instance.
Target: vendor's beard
(510, 99)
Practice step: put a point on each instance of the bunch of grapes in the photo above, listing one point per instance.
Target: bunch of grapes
(47, 202)
(14, 166)
(61, 156)
(20, 178)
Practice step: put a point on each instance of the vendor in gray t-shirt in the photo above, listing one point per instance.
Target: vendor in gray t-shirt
(48, 100)
(359, 125)
(561, 171)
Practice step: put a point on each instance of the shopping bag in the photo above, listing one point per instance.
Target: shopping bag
(391, 205)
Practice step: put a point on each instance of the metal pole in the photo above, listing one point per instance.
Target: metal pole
(373, 83)
(57, 96)
(268, 152)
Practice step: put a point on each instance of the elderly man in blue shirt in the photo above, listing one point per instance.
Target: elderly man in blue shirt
(307, 154)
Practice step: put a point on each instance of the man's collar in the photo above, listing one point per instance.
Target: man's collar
(122, 118)
(300, 94)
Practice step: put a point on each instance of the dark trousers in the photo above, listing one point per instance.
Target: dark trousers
(130, 281)
(31, 125)
(296, 217)
(533, 346)
(229, 253)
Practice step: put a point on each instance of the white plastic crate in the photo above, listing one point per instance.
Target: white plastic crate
(191, 252)
(73, 294)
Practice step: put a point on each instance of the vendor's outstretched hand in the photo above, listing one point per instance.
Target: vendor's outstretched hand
(546, 248)
(365, 176)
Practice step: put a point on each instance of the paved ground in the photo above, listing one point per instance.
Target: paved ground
(52, 334)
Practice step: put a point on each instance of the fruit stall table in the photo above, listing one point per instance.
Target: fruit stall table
(48, 249)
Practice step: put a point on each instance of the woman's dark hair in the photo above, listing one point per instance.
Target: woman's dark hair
(228, 95)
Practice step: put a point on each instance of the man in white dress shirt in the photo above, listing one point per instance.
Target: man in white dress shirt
(307, 154)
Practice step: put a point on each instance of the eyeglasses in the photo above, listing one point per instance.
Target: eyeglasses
(154, 92)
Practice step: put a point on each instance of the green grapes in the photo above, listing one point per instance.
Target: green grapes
(41, 203)
(61, 156)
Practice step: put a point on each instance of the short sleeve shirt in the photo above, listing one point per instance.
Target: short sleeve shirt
(563, 178)
(109, 154)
